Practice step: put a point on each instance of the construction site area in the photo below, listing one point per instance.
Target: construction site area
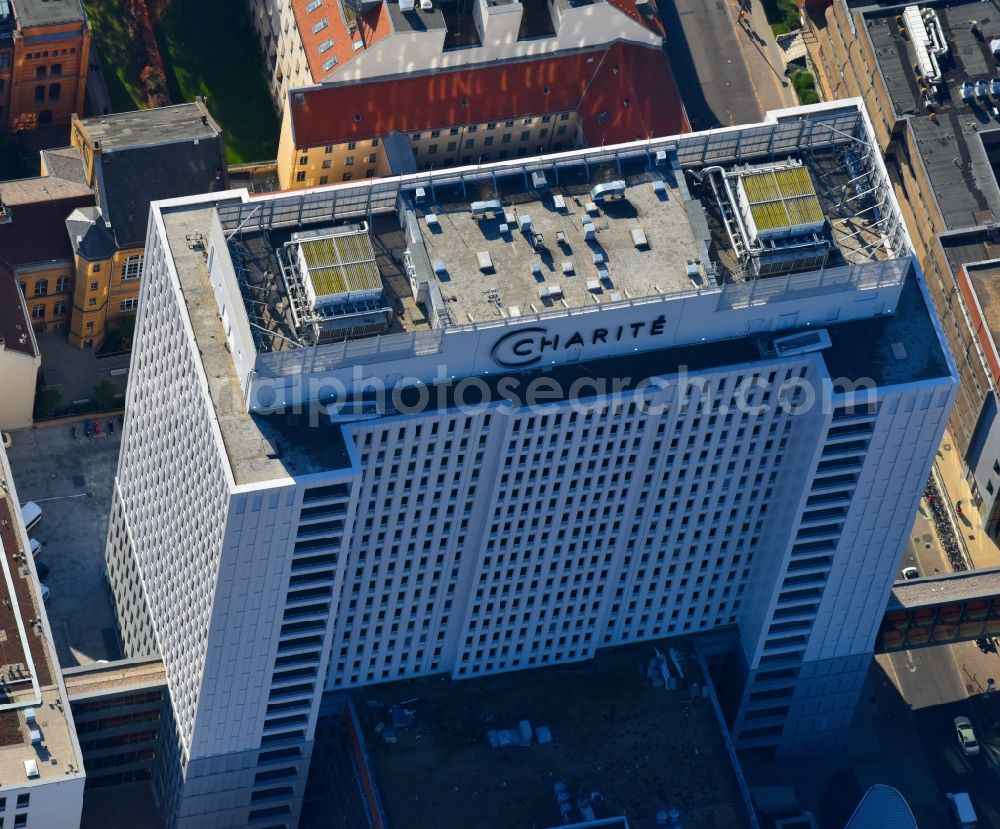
(573, 743)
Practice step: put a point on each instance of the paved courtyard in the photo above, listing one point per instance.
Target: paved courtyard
(71, 480)
(74, 372)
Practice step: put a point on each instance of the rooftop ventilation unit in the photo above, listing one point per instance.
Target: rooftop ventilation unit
(334, 283)
(406, 5)
(486, 209)
(927, 36)
(778, 216)
(609, 191)
(803, 343)
(538, 180)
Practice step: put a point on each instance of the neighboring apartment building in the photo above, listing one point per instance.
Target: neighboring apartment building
(19, 357)
(927, 75)
(308, 42)
(44, 58)
(74, 235)
(118, 708)
(347, 375)
(41, 770)
(442, 118)
(33, 243)
(129, 160)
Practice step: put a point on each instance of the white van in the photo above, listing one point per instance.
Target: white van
(31, 514)
(36, 547)
(961, 807)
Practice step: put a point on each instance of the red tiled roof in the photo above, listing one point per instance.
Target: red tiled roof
(372, 27)
(635, 89)
(584, 81)
(651, 22)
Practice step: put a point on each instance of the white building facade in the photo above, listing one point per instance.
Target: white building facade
(41, 767)
(745, 455)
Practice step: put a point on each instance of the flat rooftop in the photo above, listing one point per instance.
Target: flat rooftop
(160, 125)
(953, 587)
(564, 269)
(101, 677)
(669, 233)
(447, 265)
(985, 280)
(978, 244)
(47, 12)
(643, 748)
(952, 149)
(29, 673)
(258, 448)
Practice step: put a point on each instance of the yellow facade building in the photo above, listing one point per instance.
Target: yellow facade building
(129, 160)
(531, 106)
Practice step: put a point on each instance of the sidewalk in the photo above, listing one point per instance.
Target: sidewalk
(982, 549)
(762, 55)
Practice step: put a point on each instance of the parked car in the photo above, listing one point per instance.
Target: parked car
(36, 547)
(31, 514)
(45, 593)
(910, 573)
(8, 441)
(966, 736)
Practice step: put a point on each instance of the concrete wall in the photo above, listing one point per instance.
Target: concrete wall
(19, 373)
(56, 803)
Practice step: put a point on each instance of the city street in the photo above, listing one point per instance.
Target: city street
(704, 52)
(923, 550)
(944, 682)
(729, 71)
(941, 683)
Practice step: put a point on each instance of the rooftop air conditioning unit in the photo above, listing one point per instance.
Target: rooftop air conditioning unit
(406, 5)
(426, 5)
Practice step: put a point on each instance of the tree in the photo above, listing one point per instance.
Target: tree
(105, 394)
(47, 402)
(126, 330)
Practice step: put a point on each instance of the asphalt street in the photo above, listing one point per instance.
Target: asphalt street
(923, 550)
(938, 691)
(944, 682)
(705, 55)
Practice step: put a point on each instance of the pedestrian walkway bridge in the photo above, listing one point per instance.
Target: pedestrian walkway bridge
(939, 610)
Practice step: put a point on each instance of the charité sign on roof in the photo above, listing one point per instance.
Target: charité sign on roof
(524, 347)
